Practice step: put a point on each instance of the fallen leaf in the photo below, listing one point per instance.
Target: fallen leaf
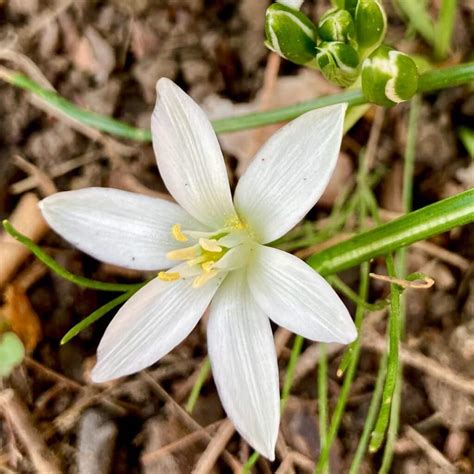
(94, 55)
(21, 317)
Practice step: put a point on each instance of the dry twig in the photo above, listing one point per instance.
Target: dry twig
(420, 284)
(41, 457)
(189, 421)
(214, 448)
(56, 171)
(181, 443)
(373, 341)
(434, 454)
(44, 182)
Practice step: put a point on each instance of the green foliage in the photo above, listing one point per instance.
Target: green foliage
(467, 137)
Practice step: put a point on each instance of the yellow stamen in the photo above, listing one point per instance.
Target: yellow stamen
(202, 279)
(235, 223)
(177, 233)
(169, 276)
(210, 245)
(196, 261)
(183, 254)
(207, 266)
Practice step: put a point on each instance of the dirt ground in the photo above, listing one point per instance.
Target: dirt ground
(106, 56)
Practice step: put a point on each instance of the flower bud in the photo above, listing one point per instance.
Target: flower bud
(350, 6)
(339, 62)
(389, 77)
(371, 25)
(294, 4)
(290, 33)
(337, 25)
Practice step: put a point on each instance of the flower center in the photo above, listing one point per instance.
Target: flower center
(208, 254)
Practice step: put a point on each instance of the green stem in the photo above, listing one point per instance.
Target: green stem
(370, 419)
(391, 378)
(348, 377)
(418, 225)
(351, 356)
(444, 28)
(96, 315)
(323, 399)
(251, 461)
(347, 291)
(430, 81)
(393, 428)
(466, 135)
(62, 272)
(202, 377)
(407, 198)
(295, 353)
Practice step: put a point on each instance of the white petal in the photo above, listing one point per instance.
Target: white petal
(189, 157)
(290, 172)
(150, 324)
(235, 258)
(293, 295)
(244, 364)
(118, 227)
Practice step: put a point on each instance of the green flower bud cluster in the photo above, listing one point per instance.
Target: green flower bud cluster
(345, 44)
(349, 33)
(344, 36)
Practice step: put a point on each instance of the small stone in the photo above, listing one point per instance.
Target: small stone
(95, 443)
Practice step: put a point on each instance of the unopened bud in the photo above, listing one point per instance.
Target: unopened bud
(389, 77)
(350, 6)
(290, 33)
(371, 25)
(337, 25)
(339, 62)
(294, 4)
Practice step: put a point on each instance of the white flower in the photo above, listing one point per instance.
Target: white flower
(213, 249)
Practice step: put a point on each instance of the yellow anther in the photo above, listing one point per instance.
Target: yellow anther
(207, 266)
(183, 254)
(210, 245)
(178, 233)
(203, 278)
(169, 276)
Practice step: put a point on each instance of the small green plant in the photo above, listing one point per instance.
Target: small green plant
(12, 352)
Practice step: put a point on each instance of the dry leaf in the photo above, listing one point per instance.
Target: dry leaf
(21, 317)
(94, 55)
